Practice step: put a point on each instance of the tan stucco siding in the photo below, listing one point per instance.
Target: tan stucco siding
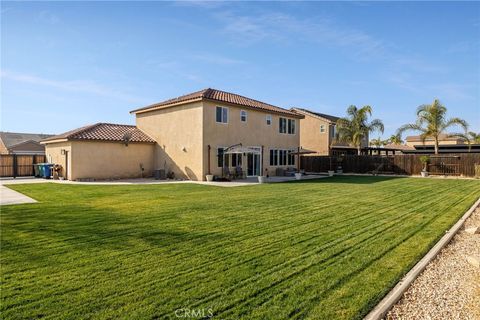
(111, 160)
(102, 160)
(312, 138)
(253, 133)
(53, 152)
(178, 132)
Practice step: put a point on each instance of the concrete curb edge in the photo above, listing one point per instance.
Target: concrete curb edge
(396, 293)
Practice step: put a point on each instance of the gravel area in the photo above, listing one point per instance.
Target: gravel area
(449, 288)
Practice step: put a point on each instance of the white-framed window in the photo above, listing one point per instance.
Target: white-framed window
(332, 131)
(282, 157)
(291, 157)
(282, 125)
(236, 160)
(268, 118)
(221, 114)
(322, 128)
(243, 115)
(286, 125)
(291, 126)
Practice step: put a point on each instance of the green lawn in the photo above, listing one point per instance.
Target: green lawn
(325, 249)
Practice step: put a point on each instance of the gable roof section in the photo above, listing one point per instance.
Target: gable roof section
(10, 139)
(220, 96)
(104, 132)
(328, 118)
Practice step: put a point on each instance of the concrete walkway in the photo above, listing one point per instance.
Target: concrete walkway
(8, 197)
(234, 183)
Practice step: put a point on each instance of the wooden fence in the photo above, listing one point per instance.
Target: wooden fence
(19, 165)
(445, 164)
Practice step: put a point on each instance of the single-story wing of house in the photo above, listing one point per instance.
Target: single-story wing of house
(102, 151)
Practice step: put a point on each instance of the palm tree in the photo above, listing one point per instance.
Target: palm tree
(470, 137)
(395, 139)
(377, 142)
(432, 122)
(354, 128)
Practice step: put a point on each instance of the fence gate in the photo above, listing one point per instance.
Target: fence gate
(19, 165)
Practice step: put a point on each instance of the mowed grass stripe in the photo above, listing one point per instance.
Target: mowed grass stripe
(144, 242)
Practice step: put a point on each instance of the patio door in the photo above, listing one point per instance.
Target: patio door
(253, 164)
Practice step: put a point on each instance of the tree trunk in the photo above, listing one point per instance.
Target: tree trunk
(359, 150)
(436, 145)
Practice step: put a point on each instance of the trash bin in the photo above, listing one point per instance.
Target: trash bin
(46, 170)
(36, 170)
(40, 169)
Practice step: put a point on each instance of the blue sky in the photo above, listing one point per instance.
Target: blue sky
(67, 64)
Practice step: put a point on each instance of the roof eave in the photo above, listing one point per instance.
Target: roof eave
(305, 113)
(154, 107)
(53, 141)
(286, 112)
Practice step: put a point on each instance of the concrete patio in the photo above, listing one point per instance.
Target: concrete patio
(235, 183)
(9, 196)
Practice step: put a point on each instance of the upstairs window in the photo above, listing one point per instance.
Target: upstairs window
(286, 126)
(243, 116)
(322, 128)
(282, 125)
(269, 119)
(222, 115)
(291, 126)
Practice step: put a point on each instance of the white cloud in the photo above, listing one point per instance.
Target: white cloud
(85, 86)
(279, 27)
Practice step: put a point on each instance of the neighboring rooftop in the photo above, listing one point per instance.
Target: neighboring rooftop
(329, 118)
(441, 137)
(10, 139)
(104, 132)
(220, 96)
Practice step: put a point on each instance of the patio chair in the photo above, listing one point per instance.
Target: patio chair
(238, 173)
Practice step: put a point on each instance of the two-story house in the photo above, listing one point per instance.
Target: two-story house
(191, 136)
(317, 132)
(207, 131)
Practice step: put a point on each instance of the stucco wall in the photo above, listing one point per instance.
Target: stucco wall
(54, 155)
(178, 132)
(102, 160)
(111, 160)
(253, 133)
(312, 139)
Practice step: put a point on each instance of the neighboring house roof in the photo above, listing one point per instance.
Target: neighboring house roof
(11, 139)
(399, 147)
(323, 116)
(220, 96)
(104, 132)
(441, 137)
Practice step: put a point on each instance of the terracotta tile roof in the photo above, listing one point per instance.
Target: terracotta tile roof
(327, 117)
(220, 96)
(104, 132)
